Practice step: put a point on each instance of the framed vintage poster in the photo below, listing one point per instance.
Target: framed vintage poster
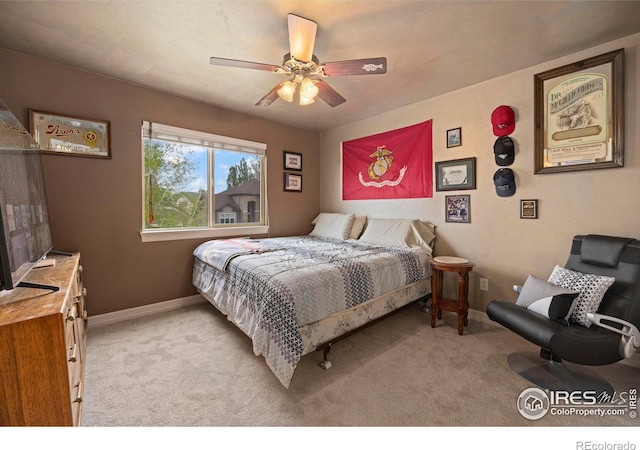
(456, 174)
(292, 160)
(454, 137)
(458, 208)
(70, 135)
(292, 182)
(529, 209)
(579, 115)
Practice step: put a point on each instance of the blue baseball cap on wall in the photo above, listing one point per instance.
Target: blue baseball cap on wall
(505, 182)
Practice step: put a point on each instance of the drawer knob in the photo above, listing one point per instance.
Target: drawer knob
(74, 352)
(79, 392)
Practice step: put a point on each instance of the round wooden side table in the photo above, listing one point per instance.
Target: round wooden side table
(462, 267)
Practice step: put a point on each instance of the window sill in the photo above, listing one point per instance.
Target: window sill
(199, 233)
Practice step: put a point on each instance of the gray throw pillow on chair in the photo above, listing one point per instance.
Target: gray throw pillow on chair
(536, 289)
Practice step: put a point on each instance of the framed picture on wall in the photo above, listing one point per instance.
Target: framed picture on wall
(454, 137)
(528, 209)
(458, 208)
(579, 115)
(456, 174)
(292, 182)
(292, 160)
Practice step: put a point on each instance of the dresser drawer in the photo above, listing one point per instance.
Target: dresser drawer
(42, 344)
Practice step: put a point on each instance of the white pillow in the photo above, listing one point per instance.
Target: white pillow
(591, 287)
(402, 233)
(333, 225)
(426, 232)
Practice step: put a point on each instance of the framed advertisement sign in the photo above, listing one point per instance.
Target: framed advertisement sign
(69, 135)
(579, 115)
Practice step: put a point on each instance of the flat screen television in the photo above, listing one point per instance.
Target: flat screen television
(25, 235)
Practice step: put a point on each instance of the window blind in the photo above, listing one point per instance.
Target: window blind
(154, 130)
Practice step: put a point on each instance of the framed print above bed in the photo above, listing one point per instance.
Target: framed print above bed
(579, 115)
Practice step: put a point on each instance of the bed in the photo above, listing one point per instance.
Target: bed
(292, 295)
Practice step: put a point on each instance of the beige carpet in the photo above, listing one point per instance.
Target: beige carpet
(191, 367)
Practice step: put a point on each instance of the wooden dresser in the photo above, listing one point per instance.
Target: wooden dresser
(43, 347)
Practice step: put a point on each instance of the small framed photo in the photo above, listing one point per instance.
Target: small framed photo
(292, 160)
(454, 137)
(458, 208)
(70, 135)
(529, 209)
(292, 182)
(457, 174)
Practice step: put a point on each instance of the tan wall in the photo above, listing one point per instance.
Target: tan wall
(95, 205)
(504, 247)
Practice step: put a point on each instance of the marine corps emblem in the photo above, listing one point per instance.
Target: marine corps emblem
(378, 168)
(383, 161)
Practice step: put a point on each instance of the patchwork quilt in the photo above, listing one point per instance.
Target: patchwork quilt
(296, 281)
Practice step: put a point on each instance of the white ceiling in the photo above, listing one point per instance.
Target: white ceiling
(432, 47)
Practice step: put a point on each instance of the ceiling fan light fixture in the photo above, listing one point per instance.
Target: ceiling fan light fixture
(287, 90)
(304, 100)
(302, 36)
(308, 88)
(302, 67)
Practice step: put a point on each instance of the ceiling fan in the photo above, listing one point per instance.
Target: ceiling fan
(304, 70)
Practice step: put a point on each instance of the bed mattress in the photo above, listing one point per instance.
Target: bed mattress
(279, 286)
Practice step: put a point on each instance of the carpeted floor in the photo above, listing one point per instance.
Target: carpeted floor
(191, 367)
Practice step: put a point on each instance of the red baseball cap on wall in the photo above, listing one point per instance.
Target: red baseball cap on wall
(503, 120)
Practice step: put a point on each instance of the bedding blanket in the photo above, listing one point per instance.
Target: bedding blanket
(220, 252)
(299, 281)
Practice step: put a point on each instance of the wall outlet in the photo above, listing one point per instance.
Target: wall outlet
(484, 284)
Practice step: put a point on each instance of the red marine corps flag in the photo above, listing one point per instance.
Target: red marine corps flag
(394, 164)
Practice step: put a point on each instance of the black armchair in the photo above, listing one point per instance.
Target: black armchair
(612, 336)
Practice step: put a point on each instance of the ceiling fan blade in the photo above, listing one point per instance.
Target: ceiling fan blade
(302, 37)
(328, 94)
(270, 97)
(369, 66)
(243, 64)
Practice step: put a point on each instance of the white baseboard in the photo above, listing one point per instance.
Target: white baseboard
(142, 311)
(480, 316)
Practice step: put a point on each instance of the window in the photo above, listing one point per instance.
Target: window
(226, 217)
(199, 184)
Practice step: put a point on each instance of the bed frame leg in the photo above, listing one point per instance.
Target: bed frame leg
(426, 303)
(326, 364)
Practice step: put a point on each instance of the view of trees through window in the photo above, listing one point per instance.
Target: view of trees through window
(177, 188)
